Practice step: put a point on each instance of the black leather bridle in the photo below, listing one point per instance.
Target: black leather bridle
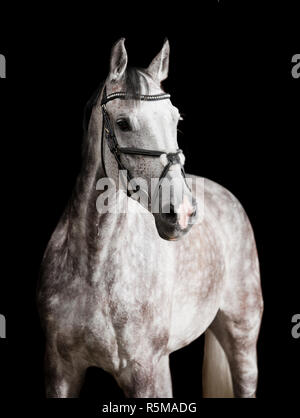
(108, 131)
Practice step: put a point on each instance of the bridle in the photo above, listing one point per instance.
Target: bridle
(171, 158)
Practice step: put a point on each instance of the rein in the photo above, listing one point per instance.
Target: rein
(170, 159)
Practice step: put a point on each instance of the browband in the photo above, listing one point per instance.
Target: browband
(124, 96)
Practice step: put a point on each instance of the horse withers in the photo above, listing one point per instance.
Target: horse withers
(122, 289)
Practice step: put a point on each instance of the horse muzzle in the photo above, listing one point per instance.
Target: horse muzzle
(173, 223)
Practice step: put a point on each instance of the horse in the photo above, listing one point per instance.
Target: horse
(123, 289)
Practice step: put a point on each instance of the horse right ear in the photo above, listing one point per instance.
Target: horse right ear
(159, 67)
(118, 60)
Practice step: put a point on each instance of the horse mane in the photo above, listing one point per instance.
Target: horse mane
(134, 81)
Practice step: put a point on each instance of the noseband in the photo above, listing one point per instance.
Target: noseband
(170, 158)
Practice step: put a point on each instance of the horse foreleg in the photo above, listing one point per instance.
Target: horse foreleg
(238, 339)
(63, 378)
(147, 380)
(163, 378)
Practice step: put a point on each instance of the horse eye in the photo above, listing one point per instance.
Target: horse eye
(123, 124)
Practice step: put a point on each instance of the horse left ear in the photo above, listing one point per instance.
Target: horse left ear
(159, 67)
(118, 60)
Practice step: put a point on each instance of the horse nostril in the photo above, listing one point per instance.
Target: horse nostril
(194, 213)
(169, 213)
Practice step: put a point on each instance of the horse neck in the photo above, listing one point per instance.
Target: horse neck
(82, 211)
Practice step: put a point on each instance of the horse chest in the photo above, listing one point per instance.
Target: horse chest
(133, 282)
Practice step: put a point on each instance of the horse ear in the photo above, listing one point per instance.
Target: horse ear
(118, 60)
(159, 67)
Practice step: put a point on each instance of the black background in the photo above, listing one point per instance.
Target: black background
(230, 75)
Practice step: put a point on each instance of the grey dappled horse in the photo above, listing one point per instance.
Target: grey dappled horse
(123, 290)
